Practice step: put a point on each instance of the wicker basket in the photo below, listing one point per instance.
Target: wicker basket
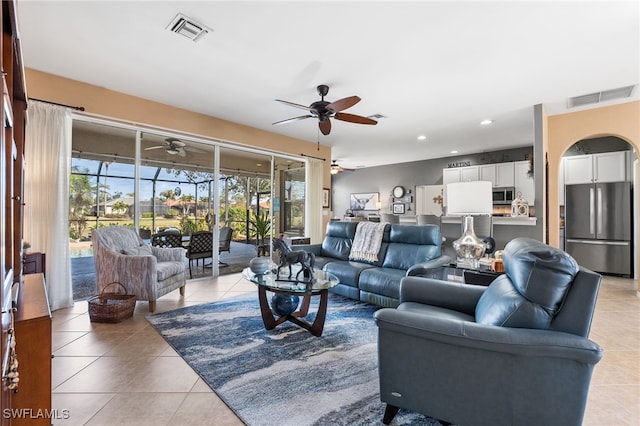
(111, 307)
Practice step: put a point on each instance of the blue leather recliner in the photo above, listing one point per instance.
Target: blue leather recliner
(513, 353)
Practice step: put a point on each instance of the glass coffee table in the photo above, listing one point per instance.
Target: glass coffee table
(285, 302)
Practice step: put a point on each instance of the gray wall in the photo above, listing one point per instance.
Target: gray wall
(382, 179)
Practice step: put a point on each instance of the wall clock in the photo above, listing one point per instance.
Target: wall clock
(398, 191)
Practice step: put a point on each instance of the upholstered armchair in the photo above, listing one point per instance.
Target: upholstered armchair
(513, 353)
(120, 255)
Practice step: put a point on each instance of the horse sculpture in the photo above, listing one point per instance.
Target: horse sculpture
(289, 257)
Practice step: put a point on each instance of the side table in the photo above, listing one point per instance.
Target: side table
(482, 276)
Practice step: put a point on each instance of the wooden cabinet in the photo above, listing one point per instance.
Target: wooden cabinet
(33, 348)
(13, 117)
(34, 263)
(523, 183)
(602, 167)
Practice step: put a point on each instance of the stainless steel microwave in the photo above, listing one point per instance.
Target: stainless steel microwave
(503, 195)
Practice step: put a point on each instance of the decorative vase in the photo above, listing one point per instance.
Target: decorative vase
(259, 265)
(469, 248)
(284, 305)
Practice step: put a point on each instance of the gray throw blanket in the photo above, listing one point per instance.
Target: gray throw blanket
(367, 241)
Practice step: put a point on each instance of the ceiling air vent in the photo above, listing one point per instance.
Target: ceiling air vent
(376, 116)
(188, 28)
(607, 95)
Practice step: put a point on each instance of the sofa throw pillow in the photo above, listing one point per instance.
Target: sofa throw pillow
(143, 250)
(536, 281)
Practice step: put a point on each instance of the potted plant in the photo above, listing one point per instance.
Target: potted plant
(26, 246)
(260, 229)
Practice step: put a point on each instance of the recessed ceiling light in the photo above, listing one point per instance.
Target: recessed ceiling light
(454, 152)
(485, 122)
(258, 164)
(422, 138)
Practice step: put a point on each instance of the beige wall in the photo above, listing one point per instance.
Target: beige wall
(564, 130)
(115, 105)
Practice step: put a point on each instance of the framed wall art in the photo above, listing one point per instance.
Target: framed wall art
(326, 198)
(398, 208)
(364, 201)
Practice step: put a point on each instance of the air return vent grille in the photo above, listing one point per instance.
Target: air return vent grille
(593, 98)
(188, 28)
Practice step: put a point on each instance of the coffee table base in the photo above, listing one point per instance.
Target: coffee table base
(270, 321)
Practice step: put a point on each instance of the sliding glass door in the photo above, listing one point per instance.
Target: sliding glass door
(156, 181)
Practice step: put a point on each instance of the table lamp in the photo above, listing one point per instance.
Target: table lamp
(466, 199)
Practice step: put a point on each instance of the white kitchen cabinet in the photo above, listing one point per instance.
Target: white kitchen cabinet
(488, 173)
(524, 184)
(469, 174)
(458, 174)
(602, 167)
(505, 173)
(578, 169)
(450, 176)
(610, 167)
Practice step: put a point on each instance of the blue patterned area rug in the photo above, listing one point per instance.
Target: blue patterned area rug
(285, 376)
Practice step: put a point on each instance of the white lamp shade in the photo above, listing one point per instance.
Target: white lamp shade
(467, 198)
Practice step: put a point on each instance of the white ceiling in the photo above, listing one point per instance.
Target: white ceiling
(431, 68)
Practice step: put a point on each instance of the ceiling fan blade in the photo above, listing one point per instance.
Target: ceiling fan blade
(352, 118)
(325, 126)
(192, 149)
(343, 103)
(181, 152)
(294, 105)
(154, 147)
(288, 120)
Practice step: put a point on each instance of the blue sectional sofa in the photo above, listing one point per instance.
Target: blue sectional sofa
(406, 250)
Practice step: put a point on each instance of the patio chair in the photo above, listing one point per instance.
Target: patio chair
(226, 234)
(200, 247)
(167, 239)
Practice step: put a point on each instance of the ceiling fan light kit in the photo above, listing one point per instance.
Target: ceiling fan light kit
(325, 110)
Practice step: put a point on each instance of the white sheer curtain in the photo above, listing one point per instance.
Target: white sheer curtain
(46, 195)
(313, 213)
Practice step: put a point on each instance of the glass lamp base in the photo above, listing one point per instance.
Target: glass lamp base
(469, 248)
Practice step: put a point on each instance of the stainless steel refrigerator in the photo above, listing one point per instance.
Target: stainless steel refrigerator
(598, 226)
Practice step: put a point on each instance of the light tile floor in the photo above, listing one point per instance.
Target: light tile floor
(126, 374)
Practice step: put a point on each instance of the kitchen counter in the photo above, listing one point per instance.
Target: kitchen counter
(497, 220)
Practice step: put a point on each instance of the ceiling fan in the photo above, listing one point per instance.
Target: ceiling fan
(325, 110)
(335, 168)
(173, 146)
